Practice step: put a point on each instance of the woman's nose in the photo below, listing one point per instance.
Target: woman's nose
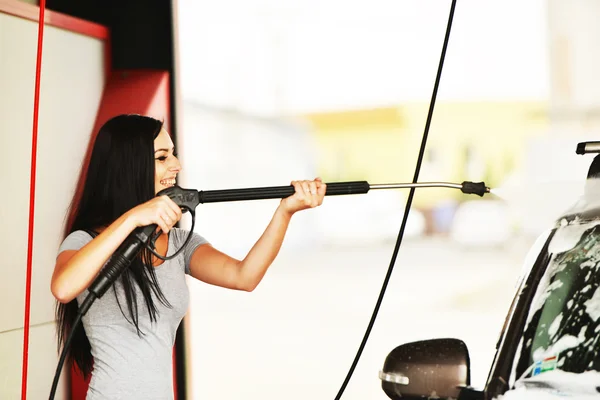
(176, 166)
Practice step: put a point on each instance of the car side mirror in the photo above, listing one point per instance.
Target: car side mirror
(437, 368)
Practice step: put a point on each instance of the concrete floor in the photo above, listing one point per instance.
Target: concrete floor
(296, 336)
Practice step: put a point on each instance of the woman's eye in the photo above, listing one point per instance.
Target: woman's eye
(161, 158)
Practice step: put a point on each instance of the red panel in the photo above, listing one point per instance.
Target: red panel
(107, 59)
(126, 92)
(78, 384)
(135, 92)
(31, 12)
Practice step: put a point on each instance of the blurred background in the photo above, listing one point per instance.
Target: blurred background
(269, 91)
(274, 91)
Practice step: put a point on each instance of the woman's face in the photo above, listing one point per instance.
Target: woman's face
(166, 163)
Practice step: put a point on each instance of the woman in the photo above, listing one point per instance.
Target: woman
(127, 335)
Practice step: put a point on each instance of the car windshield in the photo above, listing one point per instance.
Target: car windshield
(563, 325)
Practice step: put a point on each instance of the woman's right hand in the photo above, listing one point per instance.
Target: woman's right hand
(161, 211)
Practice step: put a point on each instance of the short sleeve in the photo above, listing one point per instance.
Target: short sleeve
(179, 237)
(75, 241)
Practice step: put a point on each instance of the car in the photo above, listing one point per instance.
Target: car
(549, 346)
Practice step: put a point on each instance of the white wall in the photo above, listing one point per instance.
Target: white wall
(71, 89)
(227, 150)
(574, 35)
(222, 150)
(271, 57)
(553, 176)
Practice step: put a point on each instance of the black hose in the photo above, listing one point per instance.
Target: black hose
(408, 203)
(82, 310)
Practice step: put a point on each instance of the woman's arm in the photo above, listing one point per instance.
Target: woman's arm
(214, 267)
(76, 269)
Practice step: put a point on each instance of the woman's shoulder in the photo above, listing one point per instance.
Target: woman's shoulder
(75, 240)
(180, 235)
(177, 235)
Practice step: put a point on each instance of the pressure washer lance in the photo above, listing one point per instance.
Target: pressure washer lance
(191, 197)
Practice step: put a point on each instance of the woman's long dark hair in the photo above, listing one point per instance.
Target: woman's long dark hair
(119, 176)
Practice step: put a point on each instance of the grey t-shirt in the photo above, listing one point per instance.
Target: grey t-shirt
(128, 366)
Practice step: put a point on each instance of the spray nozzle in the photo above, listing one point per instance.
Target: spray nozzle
(477, 188)
(587, 147)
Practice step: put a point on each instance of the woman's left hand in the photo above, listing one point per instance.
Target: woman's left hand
(309, 194)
